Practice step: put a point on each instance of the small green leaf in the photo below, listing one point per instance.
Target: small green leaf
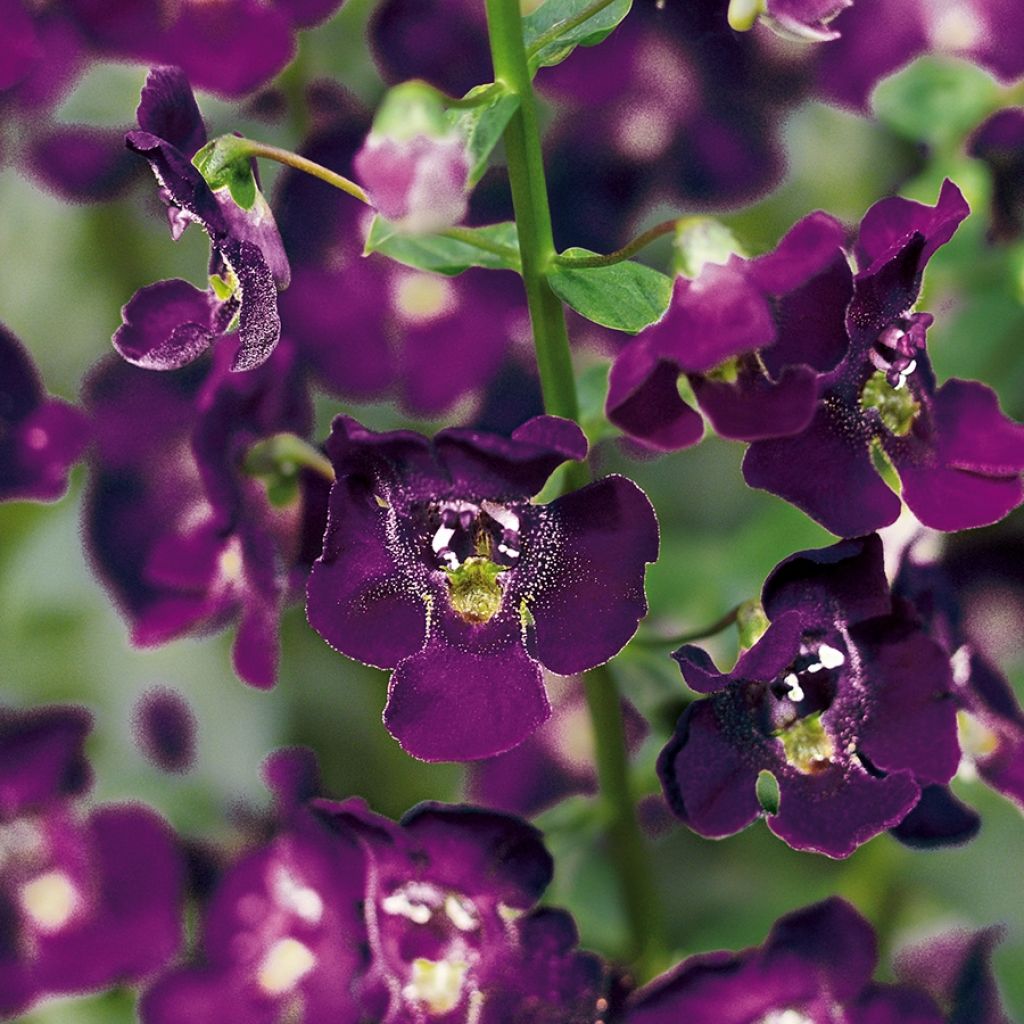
(225, 163)
(498, 248)
(483, 126)
(547, 44)
(767, 790)
(936, 100)
(625, 296)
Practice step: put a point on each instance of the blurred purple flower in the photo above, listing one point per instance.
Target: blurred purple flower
(815, 965)
(878, 37)
(40, 437)
(89, 901)
(845, 700)
(999, 142)
(958, 457)
(169, 324)
(752, 336)
(165, 729)
(436, 564)
(185, 540)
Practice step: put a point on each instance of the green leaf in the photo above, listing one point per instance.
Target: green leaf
(625, 296)
(498, 247)
(225, 163)
(936, 100)
(483, 126)
(546, 44)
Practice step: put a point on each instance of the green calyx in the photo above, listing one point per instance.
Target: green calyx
(411, 109)
(701, 240)
(475, 592)
(751, 622)
(896, 408)
(808, 747)
(226, 162)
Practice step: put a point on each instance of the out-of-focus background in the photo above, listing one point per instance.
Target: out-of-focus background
(67, 270)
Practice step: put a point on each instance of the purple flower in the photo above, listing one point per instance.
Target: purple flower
(40, 437)
(414, 164)
(230, 47)
(845, 700)
(169, 324)
(451, 926)
(806, 20)
(815, 965)
(958, 457)
(165, 729)
(955, 968)
(752, 336)
(990, 718)
(436, 564)
(184, 539)
(89, 900)
(999, 142)
(878, 37)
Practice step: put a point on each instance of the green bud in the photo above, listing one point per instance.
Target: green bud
(411, 109)
(767, 790)
(751, 622)
(226, 162)
(701, 240)
(743, 14)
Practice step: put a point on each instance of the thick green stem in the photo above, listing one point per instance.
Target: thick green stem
(628, 848)
(537, 251)
(533, 217)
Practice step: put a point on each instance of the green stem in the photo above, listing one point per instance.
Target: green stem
(300, 163)
(470, 237)
(628, 849)
(285, 453)
(533, 216)
(561, 27)
(630, 249)
(650, 640)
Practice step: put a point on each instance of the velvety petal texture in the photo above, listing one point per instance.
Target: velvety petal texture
(845, 700)
(436, 564)
(815, 965)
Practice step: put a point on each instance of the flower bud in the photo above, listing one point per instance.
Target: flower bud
(414, 164)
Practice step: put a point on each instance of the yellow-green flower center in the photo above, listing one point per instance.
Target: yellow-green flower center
(896, 407)
(475, 592)
(808, 747)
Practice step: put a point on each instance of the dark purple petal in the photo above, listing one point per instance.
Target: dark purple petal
(644, 401)
(594, 546)
(707, 780)
(891, 1004)
(832, 940)
(42, 757)
(168, 110)
(293, 776)
(447, 703)
(165, 729)
(891, 223)
(755, 407)
(20, 49)
(166, 325)
(999, 141)
(259, 326)
(357, 598)
(82, 164)
(939, 819)
(846, 579)
(912, 726)
(837, 810)
(819, 469)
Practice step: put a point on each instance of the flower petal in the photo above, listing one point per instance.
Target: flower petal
(166, 325)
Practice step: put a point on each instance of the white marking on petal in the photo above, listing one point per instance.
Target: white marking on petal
(291, 894)
(49, 900)
(287, 962)
(830, 657)
(437, 984)
(461, 912)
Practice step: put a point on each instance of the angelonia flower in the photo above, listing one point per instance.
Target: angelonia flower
(806, 20)
(752, 337)
(346, 916)
(40, 437)
(878, 37)
(436, 564)
(999, 142)
(958, 458)
(989, 717)
(845, 699)
(815, 966)
(414, 164)
(183, 537)
(955, 969)
(91, 899)
(171, 323)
